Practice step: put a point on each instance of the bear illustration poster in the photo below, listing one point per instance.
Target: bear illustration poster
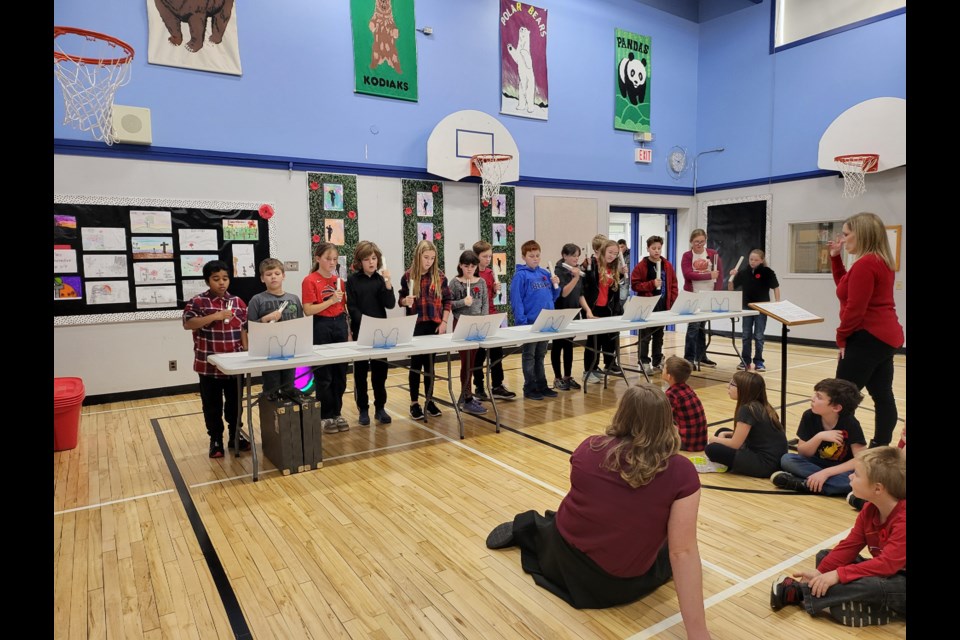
(196, 34)
(384, 48)
(523, 60)
(631, 102)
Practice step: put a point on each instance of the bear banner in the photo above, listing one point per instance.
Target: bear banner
(632, 99)
(523, 60)
(195, 34)
(384, 48)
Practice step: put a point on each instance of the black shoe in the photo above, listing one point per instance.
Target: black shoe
(243, 445)
(572, 383)
(614, 370)
(502, 393)
(481, 394)
(501, 537)
(364, 419)
(786, 480)
(547, 392)
(792, 444)
(216, 449)
(433, 410)
(416, 412)
(382, 416)
(855, 502)
(707, 362)
(785, 590)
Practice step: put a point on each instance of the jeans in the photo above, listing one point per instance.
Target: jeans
(881, 592)
(868, 362)
(695, 344)
(534, 375)
(804, 467)
(753, 328)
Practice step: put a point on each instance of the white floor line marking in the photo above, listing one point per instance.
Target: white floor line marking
(162, 404)
(720, 570)
(109, 502)
(766, 574)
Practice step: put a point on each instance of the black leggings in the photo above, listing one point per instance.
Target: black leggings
(331, 379)
(422, 363)
(565, 348)
(868, 362)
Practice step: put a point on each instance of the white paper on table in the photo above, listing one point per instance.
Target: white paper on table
(64, 261)
(281, 340)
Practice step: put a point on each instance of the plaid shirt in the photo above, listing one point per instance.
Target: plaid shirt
(220, 336)
(689, 417)
(428, 307)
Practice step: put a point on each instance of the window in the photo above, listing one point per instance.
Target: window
(809, 252)
(798, 21)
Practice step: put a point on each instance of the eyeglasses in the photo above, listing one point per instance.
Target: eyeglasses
(699, 242)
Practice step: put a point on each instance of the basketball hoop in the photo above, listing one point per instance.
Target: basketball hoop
(91, 67)
(853, 167)
(491, 167)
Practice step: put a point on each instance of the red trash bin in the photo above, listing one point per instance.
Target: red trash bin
(68, 395)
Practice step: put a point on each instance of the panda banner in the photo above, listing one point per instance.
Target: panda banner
(632, 99)
(523, 60)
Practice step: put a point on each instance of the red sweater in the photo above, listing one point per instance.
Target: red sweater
(886, 541)
(866, 300)
(488, 277)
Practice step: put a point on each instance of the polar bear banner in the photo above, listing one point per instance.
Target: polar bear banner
(523, 60)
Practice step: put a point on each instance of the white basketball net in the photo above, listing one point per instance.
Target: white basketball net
(492, 169)
(853, 169)
(88, 89)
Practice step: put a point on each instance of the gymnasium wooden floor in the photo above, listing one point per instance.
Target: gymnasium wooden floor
(154, 540)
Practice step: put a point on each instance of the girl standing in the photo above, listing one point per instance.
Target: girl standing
(756, 281)
(601, 289)
(571, 297)
(469, 294)
(701, 272)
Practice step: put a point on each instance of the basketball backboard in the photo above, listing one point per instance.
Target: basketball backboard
(873, 126)
(463, 134)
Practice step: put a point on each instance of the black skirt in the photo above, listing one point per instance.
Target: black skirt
(570, 574)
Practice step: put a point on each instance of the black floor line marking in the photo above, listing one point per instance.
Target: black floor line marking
(231, 605)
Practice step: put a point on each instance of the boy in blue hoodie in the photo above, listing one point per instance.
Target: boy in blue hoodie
(531, 290)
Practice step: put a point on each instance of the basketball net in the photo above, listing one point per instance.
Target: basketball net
(89, 75)
(491, 167)
(854, 168)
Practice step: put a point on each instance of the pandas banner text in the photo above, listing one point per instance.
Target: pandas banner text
(632, 81)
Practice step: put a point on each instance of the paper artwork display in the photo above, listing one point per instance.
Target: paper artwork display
(501, 297)
(150, 222)
(333, 231)
(281, 340)
(499, 234)
(523, 60)
(105, 265)
(424, 231)
(499, 208)
(194, 35)
(64, 227)
(67, 288)
(193, 287)
(192, 266)
(424, 203)
(384, 48)
(333, 197)
(198, 239)
(631, 100)
(499, 264)
(152, 247)
(156, 297)
(108, 292)
(243, 261)
(104, 239)
(241, 230)
(153, 273)
(64, 261)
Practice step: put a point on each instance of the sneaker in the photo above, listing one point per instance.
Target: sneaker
(759, 367)
(855, 502)
(561, 384)
(786, 480)
(595, 377)
(707, 362)
(793, 444)
(706, 465)
(533, 395)
(742, 367)
(785, 590)
(329, 425)
(481, 394)
(382, 416)
(433, 410)
(648, 369)
(547, 392)
(501, 537)
(658, 366)
(860, 614)
(342, 424)
(364, 419)
(473, 406)
(416, 412)
(572, 383)
(614, 370)
(216, 448)
(243, 445)
(502, 393)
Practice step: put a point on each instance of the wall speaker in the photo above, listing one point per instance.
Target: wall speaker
(131, 125)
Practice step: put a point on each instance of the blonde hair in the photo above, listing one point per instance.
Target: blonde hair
(613, 264)
(761, 255)
(641, 439)
(871, 236)
(886, 466)
(598, 241)
(696, 233)
(416, 271)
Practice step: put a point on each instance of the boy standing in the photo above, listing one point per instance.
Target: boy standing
(857, 591)
(532, 290)
(688, 412)
(654, 276)
(218, 321)
(829, 438)
(484, 251)
(275, 305)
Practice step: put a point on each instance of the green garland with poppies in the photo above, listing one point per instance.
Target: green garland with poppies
(411, 218)
(487, 220)
(319, 214)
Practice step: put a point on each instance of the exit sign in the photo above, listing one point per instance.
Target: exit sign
(643, 155)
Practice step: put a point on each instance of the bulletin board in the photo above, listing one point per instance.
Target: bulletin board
(122, 259)
(737, 226)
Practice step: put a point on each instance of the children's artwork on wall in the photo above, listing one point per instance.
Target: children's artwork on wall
(194, 35)
(425, 203)
(241, 230)
(424, 231)
(499, 208)
(156, 297)
(152, 273)
(104, 239)
(523, 60)
(150, 222)
(333, 228)
(191, 266)
(64, 261)
(193, 287)
(152, 247)
(499, 264)
(198, 239)
(67, 288)
(333, 197)
(499, 235)
(631, 100)
(108, 292)
(243, 261)
(503, 262)
(99, 265)
(384, 48)
(415, 231)
(64, 227)
(500, 298)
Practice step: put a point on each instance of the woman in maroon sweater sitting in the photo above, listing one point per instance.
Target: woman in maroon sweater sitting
(869, 332)
(629, 521)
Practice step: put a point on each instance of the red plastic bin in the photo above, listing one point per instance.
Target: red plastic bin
(68, 395)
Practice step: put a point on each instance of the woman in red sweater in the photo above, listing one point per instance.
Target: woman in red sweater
(869, 332)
